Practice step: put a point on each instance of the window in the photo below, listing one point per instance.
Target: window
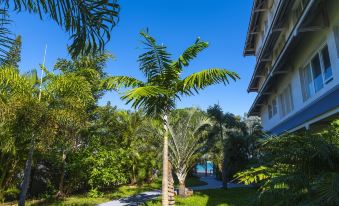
(306, 82)
(336, 38)
(275, 108)
(270, 114)
(286, 101)
(327, 64)
(315, 74)
(272, 109)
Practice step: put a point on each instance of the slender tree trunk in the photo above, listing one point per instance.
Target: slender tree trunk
(165, 164)
(171, 192)
(224, 169)
(134, 178)
(4, 171)
(62, 177)
(224, 162)
(27, 174)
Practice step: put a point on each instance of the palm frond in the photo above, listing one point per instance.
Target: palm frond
(88, 21)
(328, 188)
(141, 94)
(154, 100)
(155, 59)
(6, 41)
(69, 86)
(117, 82)
(190, 53)
(12, 83)
(200, 80)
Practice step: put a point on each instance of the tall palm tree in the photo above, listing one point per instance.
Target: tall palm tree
(225, 123)
(216, 113)
(88, 22)
(165, 85)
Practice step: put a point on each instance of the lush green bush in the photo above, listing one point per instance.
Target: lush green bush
(298, 169)
(107, 168)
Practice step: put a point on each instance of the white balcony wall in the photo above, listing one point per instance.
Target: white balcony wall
(302, 55)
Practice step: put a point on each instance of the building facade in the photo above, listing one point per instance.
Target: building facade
(296, 76)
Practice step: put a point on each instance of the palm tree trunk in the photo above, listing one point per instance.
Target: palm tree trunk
(165, 164)
(27, 174)
(62, 177)
(182, 188)
(171, 192)
(224, 162)
(181, 174)
(224, 168)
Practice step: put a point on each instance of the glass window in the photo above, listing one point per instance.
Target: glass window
(306, 82)
(317, 75)
(327, 64)
(274, 107)
(281, 105)
(286, 101)
(313, 76)
(270, 111)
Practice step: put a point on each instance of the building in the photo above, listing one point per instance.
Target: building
(296, 76)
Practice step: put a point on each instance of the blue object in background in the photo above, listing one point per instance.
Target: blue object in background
(200, 168)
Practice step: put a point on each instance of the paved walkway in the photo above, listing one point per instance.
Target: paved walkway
(213, 183)
(133, 200)
(136, 200)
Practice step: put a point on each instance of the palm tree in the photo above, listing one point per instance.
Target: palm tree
(68, 97)
(165, 85)
(225, 123)
(15, 93)
(88, 22)
(28, 116)
(216, 113)
(188, 134)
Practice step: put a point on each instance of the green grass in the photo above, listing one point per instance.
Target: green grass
(84, 200)
(215, 197)
(120, 192)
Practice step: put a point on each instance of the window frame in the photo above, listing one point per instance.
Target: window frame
(325, 81)
(272, 108)
(309, 66)
(285, 108)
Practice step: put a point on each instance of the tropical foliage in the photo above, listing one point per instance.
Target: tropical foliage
(232, 142)
(165, 85)
(188, 136)
(88, 22)
(298, 169)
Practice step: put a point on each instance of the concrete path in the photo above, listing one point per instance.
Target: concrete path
(213, 183)
(133, 200)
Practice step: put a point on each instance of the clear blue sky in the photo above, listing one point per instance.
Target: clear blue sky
(176, 23)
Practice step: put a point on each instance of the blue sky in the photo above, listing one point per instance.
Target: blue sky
(176, 23)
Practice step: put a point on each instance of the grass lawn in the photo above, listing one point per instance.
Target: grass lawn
(84, 200)
(215, 197)
(120, 192)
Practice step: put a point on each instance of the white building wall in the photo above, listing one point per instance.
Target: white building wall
(303, 54)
